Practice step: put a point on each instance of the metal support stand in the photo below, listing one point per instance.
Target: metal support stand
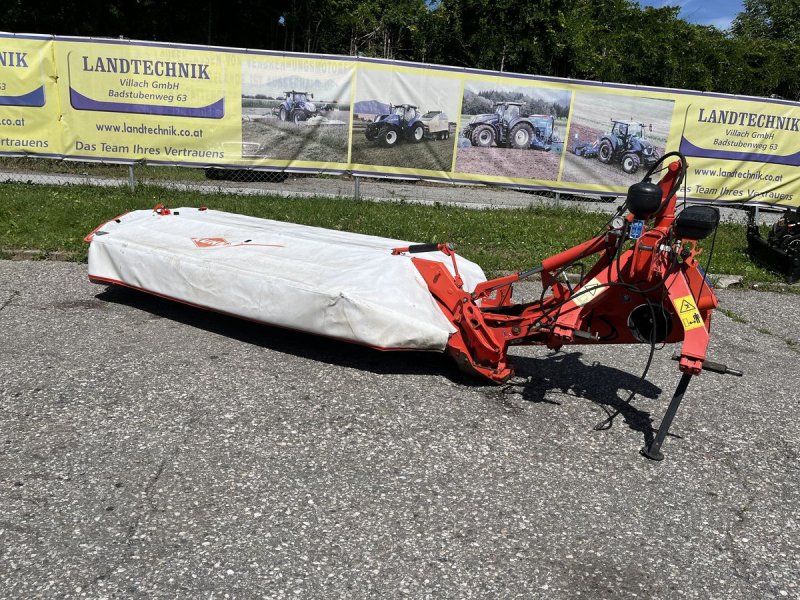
(653, 451)
(131, 178)
(357, 188)
(752, 216)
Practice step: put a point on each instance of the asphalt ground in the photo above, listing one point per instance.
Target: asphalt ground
(152, 450)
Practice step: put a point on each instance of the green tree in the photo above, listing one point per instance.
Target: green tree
(769, 19)
(601, 40)
(768, 37)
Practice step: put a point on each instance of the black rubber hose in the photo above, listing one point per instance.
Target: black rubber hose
(414, 248)
(678, 182)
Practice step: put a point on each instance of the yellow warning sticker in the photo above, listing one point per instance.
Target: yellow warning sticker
(589, 292)
(688, 313)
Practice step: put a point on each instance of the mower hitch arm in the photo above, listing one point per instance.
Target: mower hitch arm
(714, 367)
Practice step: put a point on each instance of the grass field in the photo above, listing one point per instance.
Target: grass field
(49, 218)
(287, 141)
(47, 166)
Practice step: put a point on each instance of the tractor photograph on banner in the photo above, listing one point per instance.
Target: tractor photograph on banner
(508, 127)
(404, 121)
(297, 107)
(614, 138)
(291, 112)
(626, 145)
(512, 130)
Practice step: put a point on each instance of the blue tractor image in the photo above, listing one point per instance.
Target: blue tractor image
(506, 127)
(297, 107)
(402, 122)
(627, 145)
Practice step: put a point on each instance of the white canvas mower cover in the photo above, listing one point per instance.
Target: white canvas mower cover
(333, 283)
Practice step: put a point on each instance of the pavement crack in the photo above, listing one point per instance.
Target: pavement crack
(144, 508)
(10, 299)
(740, 565)
(151, 484)
(790, 343)
(743, 567)
(132, 528)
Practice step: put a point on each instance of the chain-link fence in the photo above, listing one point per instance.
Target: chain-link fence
(256, 181)
(288, 184)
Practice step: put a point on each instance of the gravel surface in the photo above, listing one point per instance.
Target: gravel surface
(151, 450)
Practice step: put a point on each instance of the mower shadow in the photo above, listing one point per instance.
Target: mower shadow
(560, 373)
(297, 343)
(565, 373)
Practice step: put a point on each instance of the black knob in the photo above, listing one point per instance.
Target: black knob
(644, 199)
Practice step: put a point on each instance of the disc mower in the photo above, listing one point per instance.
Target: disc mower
(645, 285)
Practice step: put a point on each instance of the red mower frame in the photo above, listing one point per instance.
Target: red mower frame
(651, 291)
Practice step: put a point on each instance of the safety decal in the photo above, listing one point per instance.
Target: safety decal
(589, 292)
(688, 313)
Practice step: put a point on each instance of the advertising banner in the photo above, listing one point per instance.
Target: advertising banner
(126, 101)
(123, 101)
(296, 112)
(404, 120)
(28, 100)
(743, 150)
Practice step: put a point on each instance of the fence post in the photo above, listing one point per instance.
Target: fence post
(131, 178)
(558, 199)
(356, 188)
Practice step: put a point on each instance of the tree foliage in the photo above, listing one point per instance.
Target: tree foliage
(602, 40)
(484, 102)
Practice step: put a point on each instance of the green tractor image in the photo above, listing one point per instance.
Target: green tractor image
(506, 127)
(627, 145)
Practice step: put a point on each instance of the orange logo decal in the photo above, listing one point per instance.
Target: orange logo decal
(209, 242)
